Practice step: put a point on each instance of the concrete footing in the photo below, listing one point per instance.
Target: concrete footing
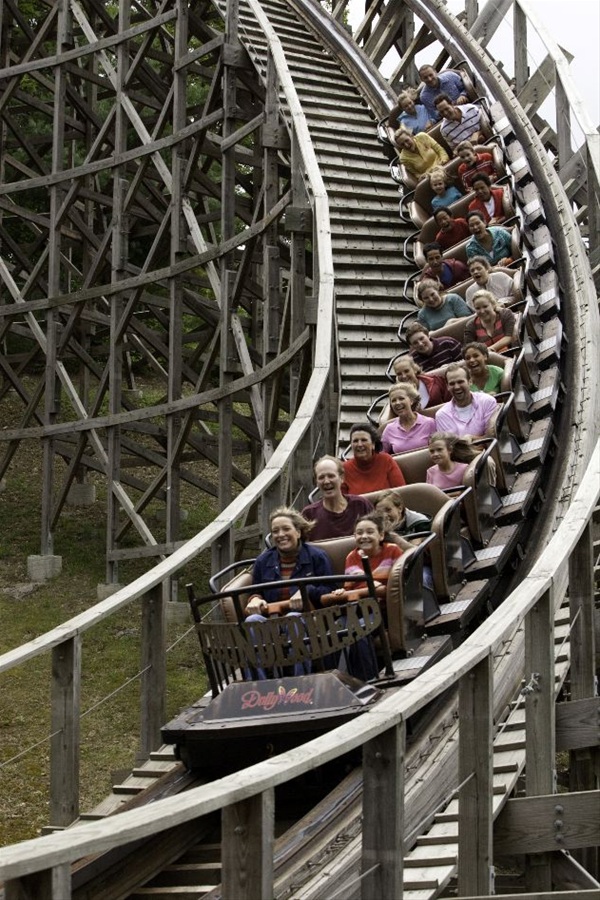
(42, 568)
(81, 494)
(103, 591)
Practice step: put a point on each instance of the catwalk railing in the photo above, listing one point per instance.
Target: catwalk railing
(248, 796)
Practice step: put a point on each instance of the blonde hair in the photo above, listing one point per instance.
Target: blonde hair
(298, 520)
(409, 390)
(334, 459)
(486, 295)
(437, 170)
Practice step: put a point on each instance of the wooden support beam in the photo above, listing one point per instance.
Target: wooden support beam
(551, 822)
(154, 669)
(475, 777)
(247, 838)
(539, 728)
(520, 48)
(51, 884)
(543, 895)
(540, 84)
(578, 724)
(383, 815)
(65, 729)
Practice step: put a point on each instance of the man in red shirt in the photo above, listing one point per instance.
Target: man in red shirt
(488, 201)
(447, 271)
(451, 230)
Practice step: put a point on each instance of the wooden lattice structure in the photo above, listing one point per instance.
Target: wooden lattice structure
(149, 221)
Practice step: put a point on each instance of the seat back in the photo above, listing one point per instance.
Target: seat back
(408, 604)
(482, 501)
(445, 554)
(414, 465)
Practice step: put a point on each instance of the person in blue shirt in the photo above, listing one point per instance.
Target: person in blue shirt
(438, 309)
(448, 82)
(290, 557)
(407, 112)
(445, 193)
(490, 241)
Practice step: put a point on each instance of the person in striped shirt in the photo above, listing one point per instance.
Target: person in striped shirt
(473, 162)
(459, 123)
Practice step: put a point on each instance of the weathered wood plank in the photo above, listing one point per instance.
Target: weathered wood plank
(546, 823)
(578, 724)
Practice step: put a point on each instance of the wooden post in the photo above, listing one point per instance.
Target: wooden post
(64, 745)
(247, 837)
(475, 798)
(582, 770)
(539, 722)
(563, 125)
(520, 47)
(154, 670)
(51, 884)
(383, 814)
(222, 551)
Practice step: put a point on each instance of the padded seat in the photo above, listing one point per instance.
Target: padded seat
(445, 552)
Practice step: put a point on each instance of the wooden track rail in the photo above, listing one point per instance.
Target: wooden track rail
(247, 796)
(254, 364)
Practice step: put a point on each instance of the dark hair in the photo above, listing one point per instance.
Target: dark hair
(413, 328)
(374, 517)
(371, 431)
(442, 209)
(481, 176)
(482, 260)
(432, 245)
(475, 212)
(460, 449)
(477, 345)
(394, 497)
(441, 97)
(427, 66)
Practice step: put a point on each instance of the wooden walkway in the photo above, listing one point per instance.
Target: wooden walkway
(366, 231)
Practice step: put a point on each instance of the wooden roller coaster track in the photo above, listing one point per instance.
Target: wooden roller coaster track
(197, 197)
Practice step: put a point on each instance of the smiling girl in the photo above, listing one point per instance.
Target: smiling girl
(450, 455)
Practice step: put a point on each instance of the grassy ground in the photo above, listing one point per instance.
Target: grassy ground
(110, 651)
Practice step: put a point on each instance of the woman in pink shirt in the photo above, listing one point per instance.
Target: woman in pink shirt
(451, 456)
(411, 430)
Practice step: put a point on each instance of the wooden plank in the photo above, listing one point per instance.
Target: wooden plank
(247, 847)
(383, 814)
(544, 895)
(475, 713)
(539, 706)
(65, 727)
(578, 724)
(546, 823)
(154, 672)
